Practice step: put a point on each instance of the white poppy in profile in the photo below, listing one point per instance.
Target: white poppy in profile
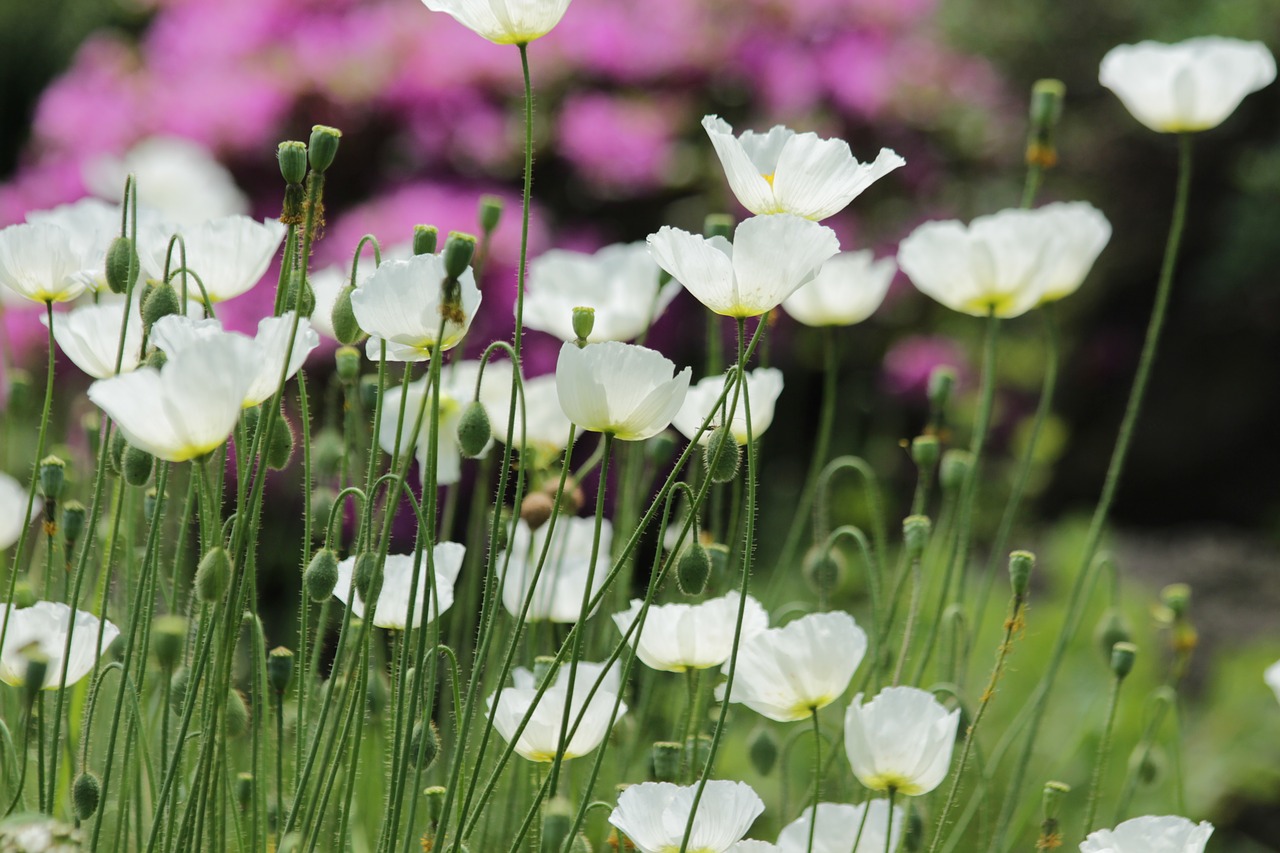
(679, 637)
(838, 824)
(629, 391)
(544, 427)
(397, 578)
(90, 336)
(504, 21)
(402, 303)
(1167, 834)
(557, 597)
(782, 171)
(39, 262)
(791, 672)
(1189, 86)
(175, 333)
(770, 258)
(1272, 677)
(654, 815)
(540, 740)
(1004, 263)
(847, 290)
(902, 739)
(764, 384)
(13, 504)
(178, 178)
(188, 407)
(620, 282)
(92, 225)
(229, 254)
(45, 625)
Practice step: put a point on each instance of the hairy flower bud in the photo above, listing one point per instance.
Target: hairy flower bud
(721, 455)
(73, 521)
(52, 477)
(280, 444)
(693, 568)
(321, 575)
(824, 569)
(666, 761)
(122, 258)
(459, 249)
(136, 464)
(1020, 565)
(279, 669)
(168, 634)
(161, 301)
(762, 749)
(425, 742)
(367, 576)
(474, 430)
(213, 575)
(236, 722)
(1111, 629)
(915, 534)
(86, 791)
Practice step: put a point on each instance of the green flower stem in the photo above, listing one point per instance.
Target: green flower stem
(817, 779)
(1093, 539)
(913, 613)
(888, 829)
(826, 420)
(1100, 762)
(862, 824)
(1053, 350)
(1164, 702)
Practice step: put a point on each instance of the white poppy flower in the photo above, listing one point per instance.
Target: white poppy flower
(92, 225)
(847, 290)
(790, 672)
(177, 178)
(838, 824)
(558, 594)
(174, 333)
(327, 284)
(504, 21)
(752, 846)
(654, 815)
(402, 303)
(39, 262)
(679, 637)
(90, 337)
(782, 171)
(902, 739)
(620, 282)
(1189, 86)
(770, 258)
(764, 384)
(618, 388)
(229, 254)
(1272, 678)
(546, 428)
(45, 625)
(397, 576)
(188, 407)
(1168, 834)
(1080, 232)
(13, 503)
(540, 740)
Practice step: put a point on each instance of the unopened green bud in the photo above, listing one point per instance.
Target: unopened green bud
(1111, 630)
(504, 525)
(474, 430)
(122, 258)
(557, 820)
(435, 802)
(321, 575)
(666, 761)
(915, 534)
(300, 294)
(425, 239)
(925, 450)
(956, 465)
(660, 449)
(178, 684)
(86, 792)
(347, 361)
(244, 790)
(942, 381)
(913, 832)
(490, 213)
(23, 594)
(718, 225)
(376, 693)
(34, 675)
(824, 568)
(1053, 794)
(115, 454)
(213, 575)
(292, 156)
(1122, 659)
(762, 749)
(1046, 109)
(1148, 765)
(161, 301)
(237, 719)
(323, 146)
(168, 634)
(693, 568)
(52, 477)
(157, 359)
(1177, 598)
(367, 576)
(1020, 565)
(326, 453)
(459, 249)
(543, 665)
(250, 418)
(136, 465)
(424, 745)
(346, 328)
(584, 321)
(280, 444)
(73, 521)
(721, 455)
(279, 669)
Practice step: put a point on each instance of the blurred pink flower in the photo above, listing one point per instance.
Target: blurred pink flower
(911, 359)
(620, 143)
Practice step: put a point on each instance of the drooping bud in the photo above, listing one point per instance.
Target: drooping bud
(161, 301)
(1020, 565)
(23, 594)
(425, 239)
(237, 719)
(459, 249)
(346, 328)
(178, 684)
(1046, 109)
(86, 792)
(584, 322)
(279, 669)
(136, 465)
(666, 761)
(121, 258)
(424, 745)
(292, 156)
(536, 509)
(115, 454)
(280, 444)
(490, 213)
(925, 450)
(300, 294)
(52, 477)
(693, 568)
(718, 225)
(1122, 659)
(213, 575)
(1111, 630)
(323, 147)
(367, 576)
(824, 569)
(915, 534)
(557, 820)
(244, 790)
(762, 749)
(474, 430)
(956, 465)
(157, 358)
(721, 455)
(168, 634)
